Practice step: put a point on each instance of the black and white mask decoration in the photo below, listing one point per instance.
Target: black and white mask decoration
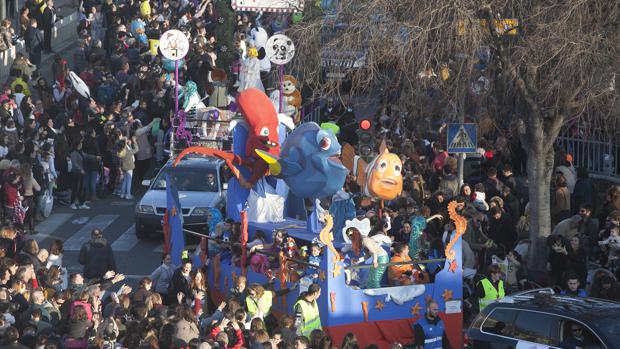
(280, 49)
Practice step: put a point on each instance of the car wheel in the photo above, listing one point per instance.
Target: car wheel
(141, 232)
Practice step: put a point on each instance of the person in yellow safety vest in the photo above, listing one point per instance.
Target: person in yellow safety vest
(491, 288)
(307, 317)
(258, 301)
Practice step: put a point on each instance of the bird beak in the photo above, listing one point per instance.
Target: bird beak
(274, 165)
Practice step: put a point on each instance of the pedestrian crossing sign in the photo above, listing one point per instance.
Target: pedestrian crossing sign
(461, 138)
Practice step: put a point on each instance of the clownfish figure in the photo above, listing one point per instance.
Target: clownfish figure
(382, 178)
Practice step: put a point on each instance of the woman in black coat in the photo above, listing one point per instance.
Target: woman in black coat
(577, 259)
(181, 283)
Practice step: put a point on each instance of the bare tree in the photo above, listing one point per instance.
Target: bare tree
(557, 60)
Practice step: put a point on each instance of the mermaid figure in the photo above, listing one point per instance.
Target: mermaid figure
(416, 243)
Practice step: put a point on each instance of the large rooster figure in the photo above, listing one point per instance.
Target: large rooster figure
(262, 120)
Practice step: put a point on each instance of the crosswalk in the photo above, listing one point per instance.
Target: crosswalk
(75, 229)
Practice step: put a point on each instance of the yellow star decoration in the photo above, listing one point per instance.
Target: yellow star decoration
(173, 212)
(337, 270)
(415, 310)
(446, 295)
(379, 305)
(322, 275)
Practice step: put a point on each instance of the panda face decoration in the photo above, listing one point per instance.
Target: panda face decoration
(280, 49)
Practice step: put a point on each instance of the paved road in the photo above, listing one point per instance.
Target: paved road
(115, 216)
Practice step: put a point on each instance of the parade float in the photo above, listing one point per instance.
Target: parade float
(280, 171)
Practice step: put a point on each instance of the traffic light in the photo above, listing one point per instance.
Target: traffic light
(366, 141)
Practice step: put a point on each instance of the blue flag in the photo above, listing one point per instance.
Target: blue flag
(175, 222)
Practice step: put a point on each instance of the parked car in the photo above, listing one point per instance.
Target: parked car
(541, 319)
(196, 194)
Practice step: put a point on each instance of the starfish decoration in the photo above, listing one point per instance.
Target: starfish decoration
(322, 275)
(337, 270)
(379, 305)
(415, 310)
(453, 266)
(446, 295)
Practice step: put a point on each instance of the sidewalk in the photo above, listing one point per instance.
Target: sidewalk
(64, 36)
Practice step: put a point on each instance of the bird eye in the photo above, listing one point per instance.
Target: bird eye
(264, 131)
(382, 166)
(325, 143)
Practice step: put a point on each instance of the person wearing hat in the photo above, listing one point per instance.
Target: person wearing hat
(569, 172)
(96, 256)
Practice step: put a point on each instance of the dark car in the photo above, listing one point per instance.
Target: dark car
(542, 319)
(196, 194)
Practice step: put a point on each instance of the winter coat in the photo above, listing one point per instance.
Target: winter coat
(126, 155)
(161, 278)
(185, 330)
(143, 146)
(12, 137)
(78, 158)
(179, 283)
(97, 258)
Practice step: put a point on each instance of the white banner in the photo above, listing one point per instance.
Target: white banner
(268, 5)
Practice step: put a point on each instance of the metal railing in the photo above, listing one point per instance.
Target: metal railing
(593, 149)
(311, 112)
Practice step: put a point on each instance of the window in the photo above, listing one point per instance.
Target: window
(500, 322)
(536, 328)
(188, 179)
(572, 328)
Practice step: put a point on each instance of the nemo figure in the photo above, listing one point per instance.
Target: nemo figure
(384, 179)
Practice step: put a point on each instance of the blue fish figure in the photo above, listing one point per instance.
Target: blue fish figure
(309, 162)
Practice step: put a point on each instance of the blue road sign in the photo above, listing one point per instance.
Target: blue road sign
(462, 138)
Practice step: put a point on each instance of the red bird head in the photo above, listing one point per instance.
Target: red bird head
(262, 120)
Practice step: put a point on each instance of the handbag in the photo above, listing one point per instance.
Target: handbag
(45, 204)
(19, 213)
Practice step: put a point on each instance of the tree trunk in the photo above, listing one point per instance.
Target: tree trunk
(539, 169)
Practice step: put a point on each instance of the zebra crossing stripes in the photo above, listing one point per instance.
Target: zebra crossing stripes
(126, 241)
(52, 223)
(75, 242)
(51, 228)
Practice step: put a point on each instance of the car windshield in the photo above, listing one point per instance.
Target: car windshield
(188, 179)
(610, 328)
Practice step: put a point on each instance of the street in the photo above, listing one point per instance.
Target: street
(115, 217)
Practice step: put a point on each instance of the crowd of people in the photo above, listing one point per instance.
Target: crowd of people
(56, 145)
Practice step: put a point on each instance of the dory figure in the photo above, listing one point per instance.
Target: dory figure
(382, 178)
(309, 162)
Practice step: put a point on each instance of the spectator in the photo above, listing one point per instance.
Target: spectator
(162, 276)
(572, 281)
(34, 43)
(6, 35)
(128, 148)
(561, 199)
(96, 256)
(583, 194)
(179, 288)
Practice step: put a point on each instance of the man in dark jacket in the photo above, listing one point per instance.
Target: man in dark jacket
(96, 256)
(34, 43)
(48, 18)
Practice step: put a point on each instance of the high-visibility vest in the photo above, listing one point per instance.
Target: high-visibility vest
(311, 316)
(262, 306)
(491, 294)
(433, 333)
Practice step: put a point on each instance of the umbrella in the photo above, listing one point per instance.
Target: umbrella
(79, 85)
